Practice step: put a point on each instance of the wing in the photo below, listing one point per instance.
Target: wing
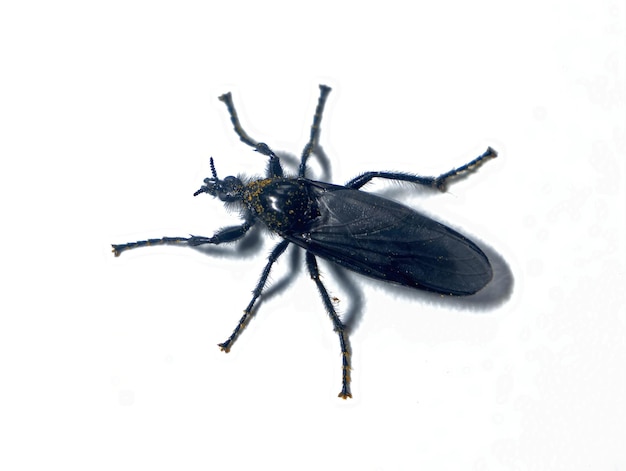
(385, 240)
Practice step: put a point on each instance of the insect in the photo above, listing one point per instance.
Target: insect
(368, 234)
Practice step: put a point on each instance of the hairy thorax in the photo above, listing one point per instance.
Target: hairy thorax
(282, 204)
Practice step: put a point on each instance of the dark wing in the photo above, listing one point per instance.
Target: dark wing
(383, 239)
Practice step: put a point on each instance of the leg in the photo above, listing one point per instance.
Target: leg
(228, 234)
(315, 129)
(339, 327)
(274, 169)
(247, 313)
(439, 182)
(227, 98)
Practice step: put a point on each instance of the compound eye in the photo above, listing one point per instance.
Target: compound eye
(231, 181)
(230, 189)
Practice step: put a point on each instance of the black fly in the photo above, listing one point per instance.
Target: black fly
(368, 234)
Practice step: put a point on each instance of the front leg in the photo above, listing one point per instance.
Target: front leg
(227, 234)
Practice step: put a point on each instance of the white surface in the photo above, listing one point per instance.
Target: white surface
(108, 116)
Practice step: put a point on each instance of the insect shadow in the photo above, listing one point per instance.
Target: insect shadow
(356, 230)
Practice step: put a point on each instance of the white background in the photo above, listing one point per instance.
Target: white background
(108, 117)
